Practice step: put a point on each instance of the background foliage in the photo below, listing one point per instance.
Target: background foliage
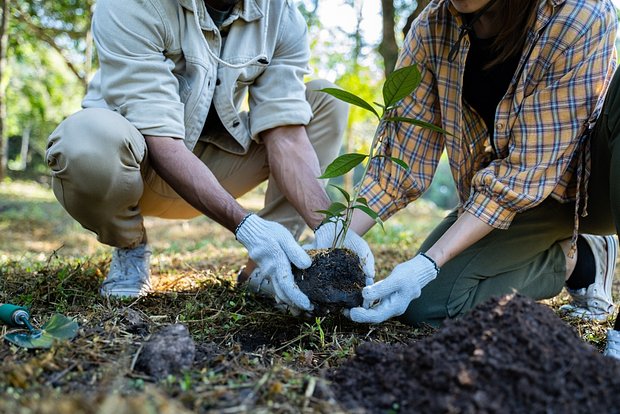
(50, 58)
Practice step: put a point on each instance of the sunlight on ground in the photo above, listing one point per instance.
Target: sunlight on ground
(35, 229)
(34, 225)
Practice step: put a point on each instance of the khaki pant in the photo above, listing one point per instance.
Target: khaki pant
(102, 177)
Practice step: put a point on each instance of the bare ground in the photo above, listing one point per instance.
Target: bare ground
(250, 357)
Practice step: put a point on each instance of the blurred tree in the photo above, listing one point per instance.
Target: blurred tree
(388, 48)
(420, 5)
(48, 61)
(64, 25)
(391, 12)
(4, 36)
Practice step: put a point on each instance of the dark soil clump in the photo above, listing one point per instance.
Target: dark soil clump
(168, 352)
(334, 280)
(508, 355)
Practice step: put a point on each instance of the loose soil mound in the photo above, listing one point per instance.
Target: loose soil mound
(508, 355)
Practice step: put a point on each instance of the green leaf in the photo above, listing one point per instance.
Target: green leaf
(326, 213)
(418, 123)
(371, 213)
(58, 328)
(331, 212)
(394, 159)
(400, 162)
(400, 83)
(362, 200)
(380, 222)
(367, 210)
(350, 98)
(336, 208)
(61, 327)
(343, 164)
(344, 193)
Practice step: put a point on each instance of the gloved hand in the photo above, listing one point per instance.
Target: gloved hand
(395, 292)
(273, 249)
(324, 238)
(261, 285)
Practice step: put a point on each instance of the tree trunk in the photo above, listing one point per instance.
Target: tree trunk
(388, 48)
(421, 5)
(23, 152)
(4, 37)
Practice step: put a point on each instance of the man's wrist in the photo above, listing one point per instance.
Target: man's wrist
(317, 227)
(243, 220)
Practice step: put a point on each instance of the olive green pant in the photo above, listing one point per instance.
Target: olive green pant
(102, 176)
(527, 258)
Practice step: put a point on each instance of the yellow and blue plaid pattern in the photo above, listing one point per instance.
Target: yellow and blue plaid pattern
(566, 65)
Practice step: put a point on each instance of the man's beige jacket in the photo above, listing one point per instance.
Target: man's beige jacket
(162, 65)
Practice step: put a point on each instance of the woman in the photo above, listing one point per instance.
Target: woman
(517, 85)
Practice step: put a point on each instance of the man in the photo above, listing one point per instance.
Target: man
(162, 132)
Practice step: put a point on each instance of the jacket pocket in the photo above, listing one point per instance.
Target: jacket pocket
(184, 88)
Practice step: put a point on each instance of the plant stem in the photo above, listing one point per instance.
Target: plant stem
(357, 188)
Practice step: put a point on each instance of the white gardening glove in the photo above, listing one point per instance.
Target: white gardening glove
(261, 285)
(324, 239)
(273, 249)
(396, 292)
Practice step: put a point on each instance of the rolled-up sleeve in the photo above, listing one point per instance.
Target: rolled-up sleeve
(136, 77)
(388, 187)
(277, 97)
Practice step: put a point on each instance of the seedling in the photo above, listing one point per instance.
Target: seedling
(399, 84)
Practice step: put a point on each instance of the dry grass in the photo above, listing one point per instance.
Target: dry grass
(249, 356)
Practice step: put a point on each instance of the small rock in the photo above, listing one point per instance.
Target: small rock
(167, 352)
(134, 322)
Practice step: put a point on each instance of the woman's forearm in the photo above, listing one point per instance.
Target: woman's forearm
(465, 231)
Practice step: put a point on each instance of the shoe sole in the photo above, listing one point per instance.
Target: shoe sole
(612, 252)
(123, 294)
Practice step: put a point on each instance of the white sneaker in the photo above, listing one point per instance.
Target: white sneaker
(595, 302)
(612, 349)
(129, 275)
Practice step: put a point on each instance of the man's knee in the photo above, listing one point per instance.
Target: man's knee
(92, 144)
(325, 105)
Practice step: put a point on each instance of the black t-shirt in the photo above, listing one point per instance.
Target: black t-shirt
(213, 125)
(484, 88)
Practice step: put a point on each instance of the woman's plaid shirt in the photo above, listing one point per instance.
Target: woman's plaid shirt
(558, 87)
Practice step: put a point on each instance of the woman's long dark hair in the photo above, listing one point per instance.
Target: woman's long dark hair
(516, 17)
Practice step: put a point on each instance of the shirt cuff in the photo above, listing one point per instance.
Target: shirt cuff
(156, 118)
(489, 211)
(279, 112)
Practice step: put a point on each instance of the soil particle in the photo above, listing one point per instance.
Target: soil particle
(333, 281)
(169, 351)
(508, 355)
(134, 322)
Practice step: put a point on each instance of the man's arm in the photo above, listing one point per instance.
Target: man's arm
(268, 243)
(295, 168)
(193, 180)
